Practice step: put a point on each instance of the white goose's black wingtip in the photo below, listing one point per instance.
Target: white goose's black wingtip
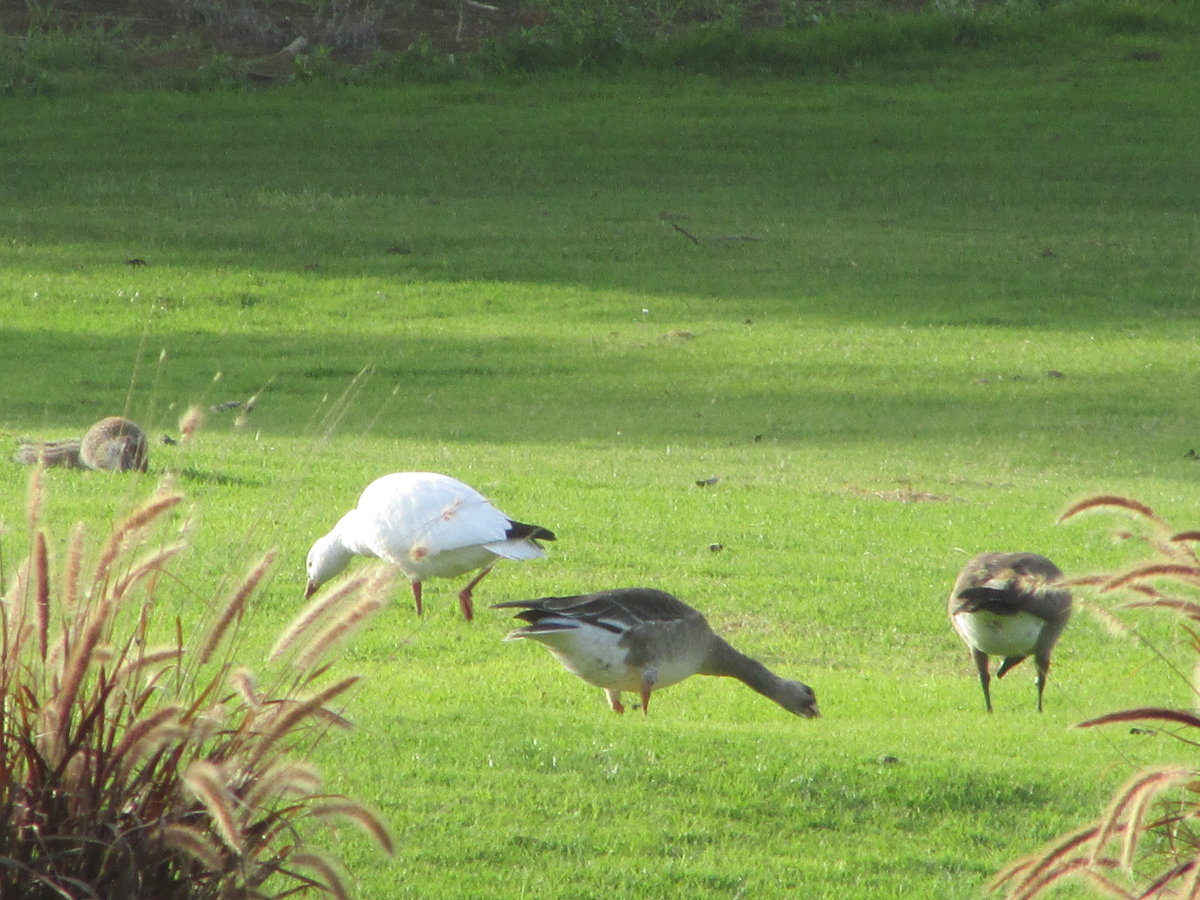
(526, 531)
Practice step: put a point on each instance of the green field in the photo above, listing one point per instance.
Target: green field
(902, 315)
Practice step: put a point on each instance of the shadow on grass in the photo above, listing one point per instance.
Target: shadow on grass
(1004, 197)
(645, 386)
(193, 475)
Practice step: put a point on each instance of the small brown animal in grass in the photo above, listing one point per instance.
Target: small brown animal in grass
(114, 444)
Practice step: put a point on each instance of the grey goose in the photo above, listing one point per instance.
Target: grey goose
(642, 640)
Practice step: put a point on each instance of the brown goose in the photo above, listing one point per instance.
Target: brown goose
(1009, 605)
(641, 640)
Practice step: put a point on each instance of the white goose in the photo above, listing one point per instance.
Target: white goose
(641, 640)
(1009, 605)
(427, 525)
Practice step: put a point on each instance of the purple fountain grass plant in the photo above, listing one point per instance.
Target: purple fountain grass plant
(1147, 843)
(133, 770)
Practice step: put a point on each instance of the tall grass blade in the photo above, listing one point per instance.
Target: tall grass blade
(234, 607)
(331, 881)
(320, 607)
(1111, 501)
(208, 784)
(360, 815)
(1175, 716)
(1158, 570)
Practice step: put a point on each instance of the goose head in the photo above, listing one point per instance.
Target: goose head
(797, 697)
(326, 558)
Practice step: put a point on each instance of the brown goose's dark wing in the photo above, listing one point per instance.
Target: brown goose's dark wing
(1008, 583)
(620, 610)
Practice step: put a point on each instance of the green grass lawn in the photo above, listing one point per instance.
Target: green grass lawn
(922, 312)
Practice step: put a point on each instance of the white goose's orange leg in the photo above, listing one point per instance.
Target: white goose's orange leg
(416, 589)
(464, 596)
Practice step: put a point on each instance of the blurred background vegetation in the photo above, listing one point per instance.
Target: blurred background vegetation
(63, 45)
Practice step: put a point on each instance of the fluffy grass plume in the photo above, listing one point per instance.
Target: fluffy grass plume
(134, 770)
(1147, 838)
